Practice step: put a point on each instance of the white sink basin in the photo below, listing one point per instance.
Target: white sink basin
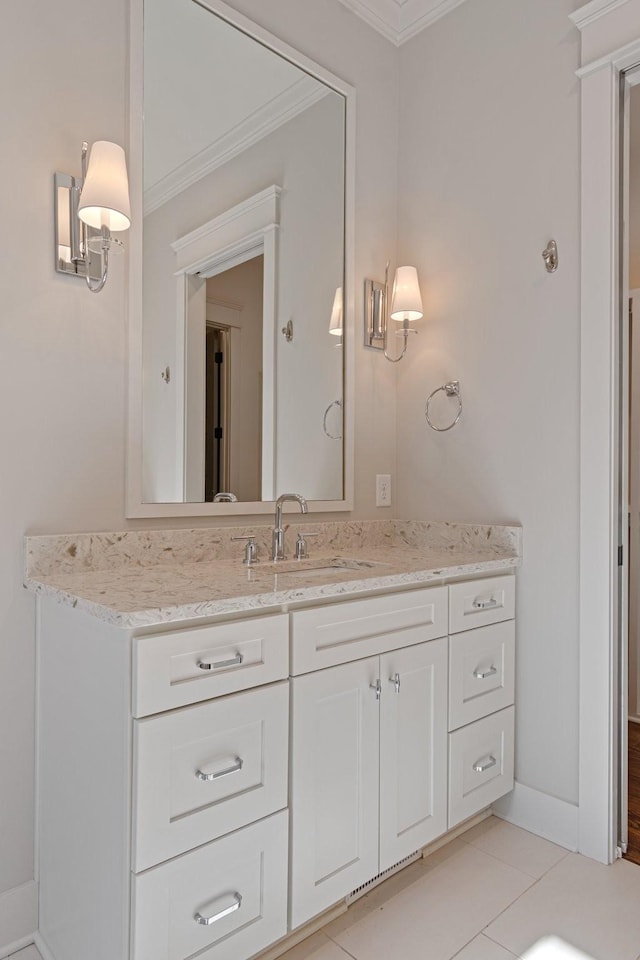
(307, 569)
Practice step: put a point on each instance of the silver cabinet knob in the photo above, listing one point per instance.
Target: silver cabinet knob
(395, 680)
(377, 686)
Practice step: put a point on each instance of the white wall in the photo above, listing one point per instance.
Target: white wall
(489, 171)
(62, 361)
(62, 349)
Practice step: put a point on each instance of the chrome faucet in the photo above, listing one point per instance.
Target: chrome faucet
(278, 533)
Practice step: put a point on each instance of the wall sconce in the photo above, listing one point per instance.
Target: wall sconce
(88, 209)
(406, 306)
(336, 323)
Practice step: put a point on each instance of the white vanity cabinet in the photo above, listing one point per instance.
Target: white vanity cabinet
(204, 790)
(389, 751)
(368, 758)
(163, 776)
(368, 748)
(481, 694)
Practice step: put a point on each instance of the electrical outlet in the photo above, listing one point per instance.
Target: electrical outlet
(383, 490)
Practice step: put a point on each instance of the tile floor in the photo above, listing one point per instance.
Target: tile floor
(499, 893)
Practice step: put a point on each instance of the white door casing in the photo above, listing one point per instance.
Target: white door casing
(610, 45)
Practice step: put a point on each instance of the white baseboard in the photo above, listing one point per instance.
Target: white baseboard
(18, 917)
(43, 949)
(537, 812)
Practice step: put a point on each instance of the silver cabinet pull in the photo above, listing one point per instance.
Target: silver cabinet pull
(479, 604)
(377, 686)
(210, 665)
(236, 765)
(237, 901)
(395, 680)
(480, 766)
(483, 674)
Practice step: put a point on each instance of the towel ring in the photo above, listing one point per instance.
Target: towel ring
(452, 389)
(332, 436)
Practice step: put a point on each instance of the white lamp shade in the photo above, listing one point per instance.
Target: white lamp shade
(335, 324)
(406, 302)
(104, 201)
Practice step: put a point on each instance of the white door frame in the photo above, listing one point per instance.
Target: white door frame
(610, 44)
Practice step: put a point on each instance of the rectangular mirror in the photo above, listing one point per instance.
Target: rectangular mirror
(241, 305)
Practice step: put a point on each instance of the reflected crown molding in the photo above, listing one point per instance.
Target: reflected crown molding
(399, 20)
(594, 10)
(298, 98)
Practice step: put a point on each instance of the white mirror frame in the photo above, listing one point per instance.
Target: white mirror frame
(135, 507)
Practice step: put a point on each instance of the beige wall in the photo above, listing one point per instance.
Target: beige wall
(62, 349)
(489, 171)
(62, 354)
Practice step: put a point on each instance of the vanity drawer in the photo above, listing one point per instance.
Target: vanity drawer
(239, 742)
(480, 764)
(481, 672)
(476, 603)
(327, 636)
(236, 885)
(186, 666)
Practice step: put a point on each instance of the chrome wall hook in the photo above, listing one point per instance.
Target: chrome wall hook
(550, 256)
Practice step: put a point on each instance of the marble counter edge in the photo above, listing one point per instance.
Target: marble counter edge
(269, 600)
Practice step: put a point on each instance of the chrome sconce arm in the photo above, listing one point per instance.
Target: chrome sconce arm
(86, 211)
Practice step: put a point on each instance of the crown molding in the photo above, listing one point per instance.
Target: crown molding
(399, 20)
(263, 122)
(594, 10)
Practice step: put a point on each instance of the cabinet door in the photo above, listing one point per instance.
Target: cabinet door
(334, 785)
(413, 754)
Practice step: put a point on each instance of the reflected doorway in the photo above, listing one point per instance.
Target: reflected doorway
(234, 381)
(216, 424)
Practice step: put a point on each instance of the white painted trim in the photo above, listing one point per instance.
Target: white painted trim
(43, 947)
(593, 11)
(608, 47)
(134, 506)
(18, 917)
(254, 214)
(620, 59)
(261, 124)
(418, 21)
(539, 813)
(398, 22)
(384, 17)
(11, 948)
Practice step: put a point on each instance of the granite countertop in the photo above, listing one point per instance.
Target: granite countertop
(144, 578)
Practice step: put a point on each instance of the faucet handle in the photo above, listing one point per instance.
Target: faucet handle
(251, 549)
(302, 551)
